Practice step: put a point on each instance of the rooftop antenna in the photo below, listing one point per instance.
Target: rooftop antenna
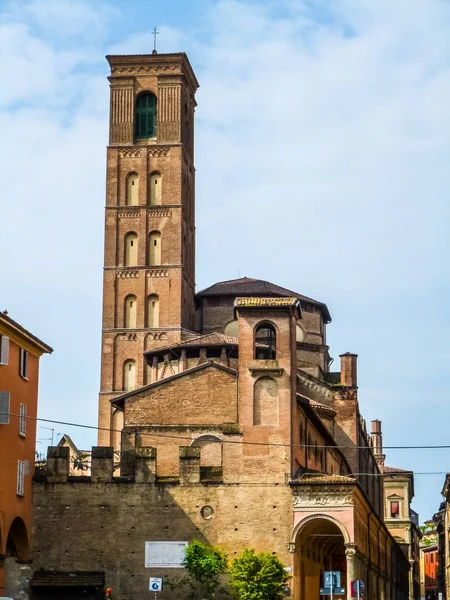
(154, 33)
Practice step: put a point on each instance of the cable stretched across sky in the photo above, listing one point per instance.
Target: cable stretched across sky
(242, 442)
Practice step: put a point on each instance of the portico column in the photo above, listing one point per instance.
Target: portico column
(350, 555)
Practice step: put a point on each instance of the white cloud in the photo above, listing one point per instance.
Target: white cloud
(322, 151)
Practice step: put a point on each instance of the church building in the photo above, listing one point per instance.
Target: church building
(230, 426)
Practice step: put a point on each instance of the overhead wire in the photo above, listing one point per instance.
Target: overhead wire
(241, 442)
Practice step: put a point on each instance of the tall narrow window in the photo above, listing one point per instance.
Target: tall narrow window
(4, 349)
(129, 375)
(132, 192)
(395, 510)
(155, 188)
(20, 477)
(23, 363)
(131, 249)
(130, 311)
(145, 116)
(4, 408)
(154, 248)
(153, 311)
(23, 420)
(265, 342)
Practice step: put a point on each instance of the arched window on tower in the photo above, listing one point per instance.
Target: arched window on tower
(145, 116)
(154, 248)
(265, 342)
(129, 375)
(131, 249)
(155, 189)
(132, 191)
(153, 311)
(130, 311)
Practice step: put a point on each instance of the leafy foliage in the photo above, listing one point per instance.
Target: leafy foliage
(204, 565)
(257, 576)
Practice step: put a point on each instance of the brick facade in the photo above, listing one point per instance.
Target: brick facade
(233, 406)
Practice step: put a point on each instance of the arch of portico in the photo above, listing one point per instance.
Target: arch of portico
(322, 543)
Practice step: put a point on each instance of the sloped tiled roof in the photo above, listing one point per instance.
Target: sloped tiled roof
(321, 407)
(252, 301)
(33, 338)
(387, 469)
(248, 286)
(209, 339)
(324, 478)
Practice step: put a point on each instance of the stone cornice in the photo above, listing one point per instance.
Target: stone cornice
(315, 384)
(148, 207)
(158, 64)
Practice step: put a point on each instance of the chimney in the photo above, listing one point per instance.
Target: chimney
(349, 369)
(377, 443)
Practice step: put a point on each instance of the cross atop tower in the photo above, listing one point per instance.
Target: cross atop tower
(154, 33)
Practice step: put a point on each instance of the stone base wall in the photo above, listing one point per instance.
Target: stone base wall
(81, 525)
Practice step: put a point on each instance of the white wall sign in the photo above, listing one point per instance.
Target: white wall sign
(164, 554)
(155, 584)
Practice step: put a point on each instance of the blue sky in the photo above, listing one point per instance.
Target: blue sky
(322, 152)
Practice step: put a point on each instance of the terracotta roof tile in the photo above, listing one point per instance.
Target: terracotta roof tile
(388, 469)
(321, 407)
(209, 339)
(7, 319)
(325, 478)
(250, 301)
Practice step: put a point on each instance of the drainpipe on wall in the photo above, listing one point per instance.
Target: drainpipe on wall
(306, 443)
(370, 553)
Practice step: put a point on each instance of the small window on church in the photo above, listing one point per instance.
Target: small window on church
(395, 510)
(129, 375)
(155, 189)
(154, 248)
(130, 312)
(153, 311)
(130, 249)
(132, 190)
(265, 342)
(145, 116)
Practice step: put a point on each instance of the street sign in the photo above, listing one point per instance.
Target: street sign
(332, 584)
(357, 589)
(332, 579)
(337, 591)
(155, 584)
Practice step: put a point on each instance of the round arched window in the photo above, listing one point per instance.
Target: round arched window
(265, 342)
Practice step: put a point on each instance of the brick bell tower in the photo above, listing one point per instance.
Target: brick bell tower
(149, 272)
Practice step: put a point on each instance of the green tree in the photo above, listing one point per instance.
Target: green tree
(204, 565)
(257, 576)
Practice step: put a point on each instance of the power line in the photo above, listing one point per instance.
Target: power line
(242, 442)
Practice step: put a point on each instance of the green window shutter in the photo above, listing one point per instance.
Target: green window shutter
(145, 116)
(4, 408)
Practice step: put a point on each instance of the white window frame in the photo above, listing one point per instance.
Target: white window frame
(23, 363)
(4, 349)
(5, 408)
(23, 420)
(20, 478)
